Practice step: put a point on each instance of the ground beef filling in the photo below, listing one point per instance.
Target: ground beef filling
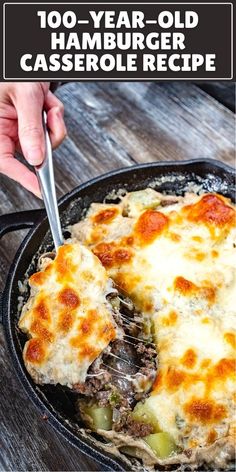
(124, 373)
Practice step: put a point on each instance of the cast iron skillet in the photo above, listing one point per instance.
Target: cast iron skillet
(171, 177)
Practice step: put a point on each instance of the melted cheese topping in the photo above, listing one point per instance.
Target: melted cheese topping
(175, 257)
(67, 317)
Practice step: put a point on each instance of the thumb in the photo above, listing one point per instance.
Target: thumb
(30, 129)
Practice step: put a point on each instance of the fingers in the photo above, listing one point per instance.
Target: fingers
(14, 169)
(28, 100)
(55, 121)
(18, 172)
(29, 106)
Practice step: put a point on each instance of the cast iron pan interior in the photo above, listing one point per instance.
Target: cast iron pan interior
(173, 178)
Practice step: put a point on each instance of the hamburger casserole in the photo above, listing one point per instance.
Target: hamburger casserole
(136, 313)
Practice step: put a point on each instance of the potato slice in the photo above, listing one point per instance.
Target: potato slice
(144, 414)
(140, 200)
(161, 443)
(98, 417)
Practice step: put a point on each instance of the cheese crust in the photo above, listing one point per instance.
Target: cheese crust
(67, 317)
(175, 258)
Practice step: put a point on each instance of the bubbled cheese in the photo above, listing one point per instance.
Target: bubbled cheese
(176, 259)
(67, 317)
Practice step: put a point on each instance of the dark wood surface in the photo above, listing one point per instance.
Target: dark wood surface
(110, 125)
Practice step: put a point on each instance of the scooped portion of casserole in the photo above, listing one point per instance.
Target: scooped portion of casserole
(67, 317)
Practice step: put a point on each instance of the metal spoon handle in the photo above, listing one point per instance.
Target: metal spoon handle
(46, 180)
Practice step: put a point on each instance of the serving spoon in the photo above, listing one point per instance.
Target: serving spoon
(45, 175)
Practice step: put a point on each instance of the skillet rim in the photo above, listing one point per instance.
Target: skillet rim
(82, 444)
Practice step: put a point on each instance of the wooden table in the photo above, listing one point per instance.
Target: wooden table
(110, 125)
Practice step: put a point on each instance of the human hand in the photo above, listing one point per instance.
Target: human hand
(21, 129)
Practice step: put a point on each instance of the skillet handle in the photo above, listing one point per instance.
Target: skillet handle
(16, 221)
(20, 220)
